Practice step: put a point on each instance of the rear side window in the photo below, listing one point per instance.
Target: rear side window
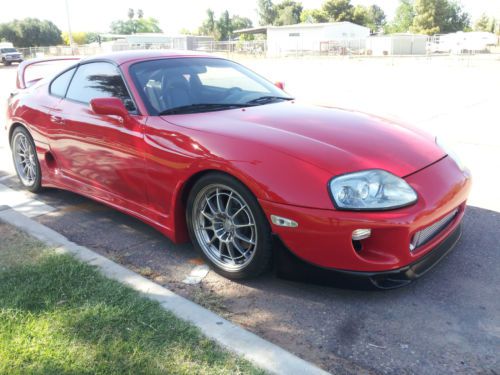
(99, 80)
(59, 85)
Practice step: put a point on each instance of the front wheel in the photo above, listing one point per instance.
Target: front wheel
(228, 227)
(25, 159)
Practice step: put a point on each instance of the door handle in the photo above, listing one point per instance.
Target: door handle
(58, 120)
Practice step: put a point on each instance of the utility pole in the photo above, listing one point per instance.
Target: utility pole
(71, 42)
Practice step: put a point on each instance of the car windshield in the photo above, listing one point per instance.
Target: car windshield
(8, 50)
(193, 85)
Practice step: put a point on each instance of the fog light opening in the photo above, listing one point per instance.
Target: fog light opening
(357, 236)
(358, 246)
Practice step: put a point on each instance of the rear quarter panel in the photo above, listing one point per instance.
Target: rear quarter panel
(31, 108)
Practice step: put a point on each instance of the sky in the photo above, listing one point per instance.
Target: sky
(96, 15)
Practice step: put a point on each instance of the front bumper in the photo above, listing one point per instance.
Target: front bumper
(324, 237)
(290, 267)
(13, 59)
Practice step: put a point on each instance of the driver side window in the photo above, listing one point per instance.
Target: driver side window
(99, 80)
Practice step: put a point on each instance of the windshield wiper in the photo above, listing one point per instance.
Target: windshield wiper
(267, 99)
(201, 107)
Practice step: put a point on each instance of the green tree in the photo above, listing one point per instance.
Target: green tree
(135, 25)
(79, 37)
(246, 37)
(224, 27)
(495, 26)
(185, 31)
(147, 25)
(287, 13)
(376, 18)
(482, 23)
(427, 16)
(338, 10)
(359, 15)
(208, 26)
(455, 18)
(403, 19)
(313, 16)
(91, 37)
(439, 16)
(266, 11)
(238, 23)
(485, 23)
(31, 32)
(7, 32)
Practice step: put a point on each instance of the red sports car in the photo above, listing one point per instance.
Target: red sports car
(202, 148)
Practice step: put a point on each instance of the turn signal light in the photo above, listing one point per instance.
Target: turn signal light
(283, 221)
(361, 234)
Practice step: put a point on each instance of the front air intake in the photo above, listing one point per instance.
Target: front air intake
(425, 235)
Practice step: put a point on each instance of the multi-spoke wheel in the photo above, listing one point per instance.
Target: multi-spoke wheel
(228, 226)
(25, 159)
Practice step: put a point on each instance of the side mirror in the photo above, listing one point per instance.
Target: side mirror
(280, 85)
(109, 106)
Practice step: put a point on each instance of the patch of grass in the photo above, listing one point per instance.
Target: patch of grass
(17, 248)
(60, 316)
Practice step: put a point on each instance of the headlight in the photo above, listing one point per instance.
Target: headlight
(449, 151)
(371, 190)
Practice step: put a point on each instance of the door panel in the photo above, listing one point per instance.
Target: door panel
(102, 154)
(101, 151)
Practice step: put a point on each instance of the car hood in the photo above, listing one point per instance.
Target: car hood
(336, 140)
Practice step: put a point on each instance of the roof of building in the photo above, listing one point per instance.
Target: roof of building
(150, 35)
(252, 30)
(263, 29)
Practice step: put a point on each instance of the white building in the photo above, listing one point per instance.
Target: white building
(397, 44)
(461, 42)
(309, 37)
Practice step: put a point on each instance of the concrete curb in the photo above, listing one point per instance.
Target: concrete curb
(262, 353)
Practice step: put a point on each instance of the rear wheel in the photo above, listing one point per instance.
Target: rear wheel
(25, 159)
(228, 227)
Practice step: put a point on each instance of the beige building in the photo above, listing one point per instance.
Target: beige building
(397, 44)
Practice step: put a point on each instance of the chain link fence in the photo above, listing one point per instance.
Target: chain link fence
(382, 46)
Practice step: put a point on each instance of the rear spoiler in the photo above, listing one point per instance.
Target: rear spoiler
(47, 66)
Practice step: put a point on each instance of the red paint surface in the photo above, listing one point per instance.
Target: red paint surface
(285, 153)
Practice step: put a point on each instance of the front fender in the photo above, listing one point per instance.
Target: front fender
(270, 174)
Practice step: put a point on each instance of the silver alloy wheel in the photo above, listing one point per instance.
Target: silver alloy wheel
(24, 159)
(224, 227)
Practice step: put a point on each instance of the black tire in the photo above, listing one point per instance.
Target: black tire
(260, 259)
(35, 185)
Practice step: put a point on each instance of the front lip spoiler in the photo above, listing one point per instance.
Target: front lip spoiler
(289, 266)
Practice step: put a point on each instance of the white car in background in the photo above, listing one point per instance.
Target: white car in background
(8, 54)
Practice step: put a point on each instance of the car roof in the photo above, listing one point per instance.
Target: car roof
(123, 57)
